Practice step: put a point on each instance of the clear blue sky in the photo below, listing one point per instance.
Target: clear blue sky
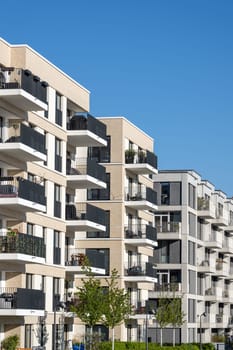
(165, 65)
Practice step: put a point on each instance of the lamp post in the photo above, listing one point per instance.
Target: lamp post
(202, 315)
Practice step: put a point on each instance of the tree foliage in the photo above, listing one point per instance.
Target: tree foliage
(117, 307)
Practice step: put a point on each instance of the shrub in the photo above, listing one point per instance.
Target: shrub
(10, 342)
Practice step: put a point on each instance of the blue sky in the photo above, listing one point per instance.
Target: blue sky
(165, 65)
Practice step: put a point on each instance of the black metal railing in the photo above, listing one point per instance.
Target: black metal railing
(141, 194)
(86, 166)
(146, 269)
(93, 258)
(30, 137)
(141, 157)
(24, 244)
(17, 78)
(21, 298)
(84, 211)
(84, 121)
(142, 231)
(18, 187)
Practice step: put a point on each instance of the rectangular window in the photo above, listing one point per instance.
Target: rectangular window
(192, 196)
(58, 155)
(99, 258)
(101, 154)
(28, 336)
(192, 224)
(165, 193)
(57, 200)
(28, 281)
(58, 118)
(56, 248)
(191, 253)
(191, 310)
(30, 229)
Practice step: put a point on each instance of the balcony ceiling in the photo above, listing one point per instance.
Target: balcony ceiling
(141, 168)
(20, 152)
(81, 138)
(22, 100)
(84, 182)
(84, 225)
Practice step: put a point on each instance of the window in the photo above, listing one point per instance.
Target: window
(58, 118)
(30, 229)
(192, 196)
(99, 258)
(57, 200)
(191, 310)
(28, 281)
(192, 224)
(58, 155)
(165, 193)
(28, 336)
(191, 253)
(56, 248)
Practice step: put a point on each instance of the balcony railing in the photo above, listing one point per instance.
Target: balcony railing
(29, 137)
(87, 166)
(146, 269)
(142, 194)
(141, 232)
(203, 203)
(16, 78)
(21, 298)
(18, 187)
(82, 121)
(168, 227)
(94, 258)
(23, 244)
(167, 287)
(84, 211)
(141, 157)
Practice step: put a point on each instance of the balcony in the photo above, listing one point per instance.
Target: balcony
(229, 227)
(141, 199)
(23, 90)
(166, 289)
(18, 195)
(222, 268)
(206, 208)
(21, 302)
(77, 259)
(85, 130)
(145, 272)
(169, 230)
(214, 241)
(86, 174)
(84, 217)
(206, 266)
(213, 294)
(221, 218)
(22, 248)
(141, 162)
(141, 235)
(27, 145)
(227, 246)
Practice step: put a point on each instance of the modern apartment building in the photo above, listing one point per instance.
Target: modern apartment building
(71, 186)
(44, 131)
(195, 255)
(129, 202)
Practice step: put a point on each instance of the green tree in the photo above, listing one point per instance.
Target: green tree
(89, 301)
(162, 315)
(117, 306)
(10, 342)
(176, 315)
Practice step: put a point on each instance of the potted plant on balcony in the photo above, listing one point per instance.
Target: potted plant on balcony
(142, 156)
(12, 232)
(129, 155)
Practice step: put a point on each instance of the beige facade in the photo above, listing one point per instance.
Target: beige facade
(70, 186)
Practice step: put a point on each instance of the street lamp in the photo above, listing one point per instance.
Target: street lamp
(202, 315)
(57, 305)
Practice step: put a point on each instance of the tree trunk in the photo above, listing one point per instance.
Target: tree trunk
(174, 336)
(113, 338)
(161, 336)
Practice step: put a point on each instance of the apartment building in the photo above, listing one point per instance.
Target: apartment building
(129, 203)
(44, 131)
(194, 257)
